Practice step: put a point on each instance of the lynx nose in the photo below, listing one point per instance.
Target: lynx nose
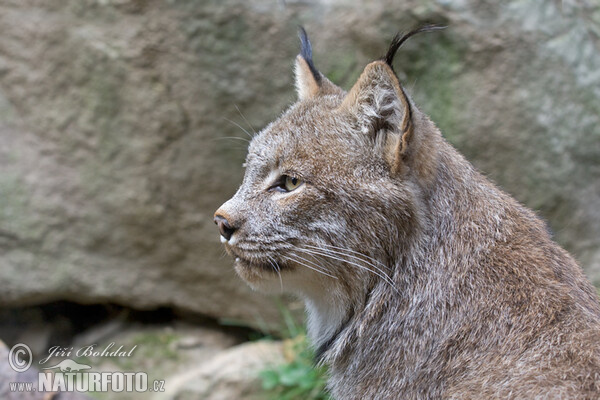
(224, 227)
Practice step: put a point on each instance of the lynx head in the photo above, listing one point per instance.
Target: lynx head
(331, 190)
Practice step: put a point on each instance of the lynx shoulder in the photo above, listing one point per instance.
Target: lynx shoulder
(421, 278)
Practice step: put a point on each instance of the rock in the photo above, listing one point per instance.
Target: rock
(186, 358)
(192, 361)
(8, 376)
(165, 353)
(232, 374)
(114, 117)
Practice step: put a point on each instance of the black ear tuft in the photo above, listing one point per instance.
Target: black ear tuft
(399, 39)
(306, 53)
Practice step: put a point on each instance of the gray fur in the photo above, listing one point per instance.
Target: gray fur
(422, 279)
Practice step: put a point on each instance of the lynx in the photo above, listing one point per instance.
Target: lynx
(421, 279)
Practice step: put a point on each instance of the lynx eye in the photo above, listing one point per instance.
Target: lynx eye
(286, 183)
(291, 183)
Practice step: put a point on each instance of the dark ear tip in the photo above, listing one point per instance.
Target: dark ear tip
(302, 32)
(306, 52)
(305, 46)
(399, 39)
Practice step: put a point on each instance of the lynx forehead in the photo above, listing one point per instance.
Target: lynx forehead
(421, 278)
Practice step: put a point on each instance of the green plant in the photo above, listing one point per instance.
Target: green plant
(298, 378)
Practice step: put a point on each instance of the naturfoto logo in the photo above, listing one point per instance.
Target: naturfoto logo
(70, 375)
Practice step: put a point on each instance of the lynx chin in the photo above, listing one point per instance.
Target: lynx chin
(421, 279)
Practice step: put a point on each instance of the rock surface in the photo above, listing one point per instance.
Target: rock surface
(114, 118)
(232, 374)
(187, 361)
(8, 376)
(190, 361)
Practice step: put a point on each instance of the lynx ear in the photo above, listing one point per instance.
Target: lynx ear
(382, 107)
(382, 110)
(309, 81)
(307, 85)
(308, 78)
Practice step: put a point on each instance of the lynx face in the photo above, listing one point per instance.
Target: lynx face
(311, 186)
(328, 193)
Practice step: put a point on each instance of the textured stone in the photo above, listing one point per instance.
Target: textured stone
(231, 374)
(30, 376)
(114, 118)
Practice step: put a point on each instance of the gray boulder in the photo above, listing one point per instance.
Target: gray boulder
(115, 114)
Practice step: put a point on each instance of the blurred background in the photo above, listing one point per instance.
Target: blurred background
(116, 119)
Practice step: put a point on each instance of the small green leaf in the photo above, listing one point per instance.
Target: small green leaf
(270, 379)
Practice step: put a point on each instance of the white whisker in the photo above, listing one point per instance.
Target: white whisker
(308, 266)
(233, 138)
(239, 126)
(352, 251)
(327, 253)
(277, 268)
(317, 266)
(340, 253)
(249, 124)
